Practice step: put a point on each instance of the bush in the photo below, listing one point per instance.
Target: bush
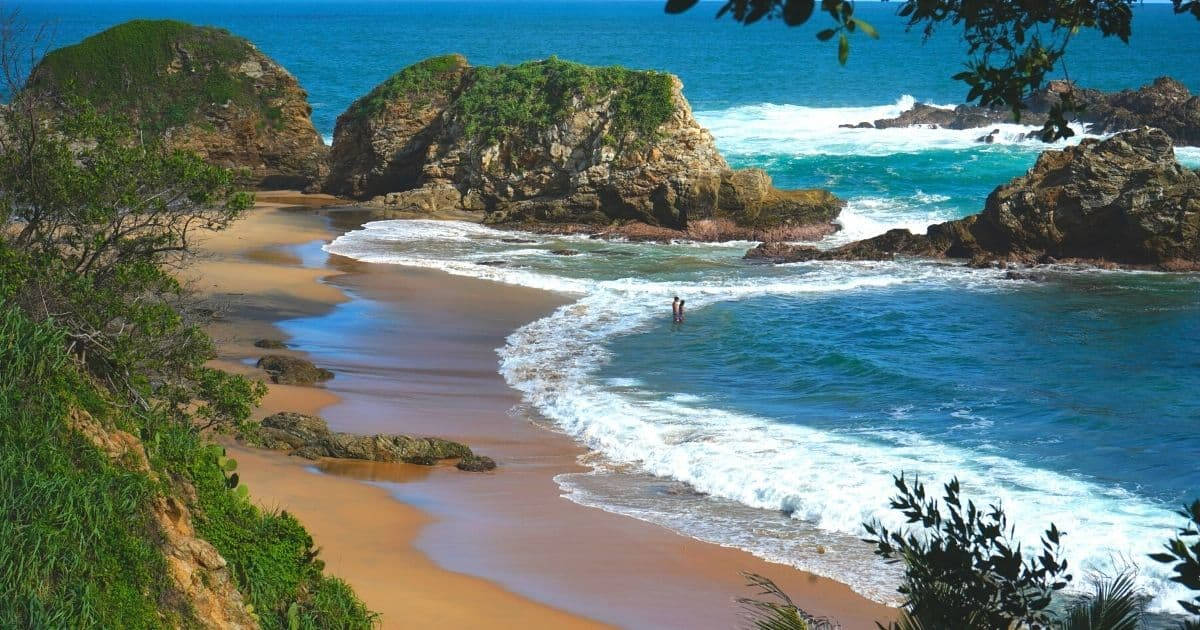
(512, 102)
(963, 569)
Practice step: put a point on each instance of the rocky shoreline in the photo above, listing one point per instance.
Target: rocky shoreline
(1124, 201)
(1165, 104)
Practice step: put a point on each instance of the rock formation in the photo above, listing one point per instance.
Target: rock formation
(1165, 104)
(198, 88)
(289, 370)
(309, 436)
(550, 142)
(1123, 200)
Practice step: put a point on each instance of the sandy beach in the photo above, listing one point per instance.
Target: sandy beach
(414, 352)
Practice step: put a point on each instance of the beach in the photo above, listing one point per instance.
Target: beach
(413, 351)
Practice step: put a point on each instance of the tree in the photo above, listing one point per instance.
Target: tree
(93, 222)
(1012, 45)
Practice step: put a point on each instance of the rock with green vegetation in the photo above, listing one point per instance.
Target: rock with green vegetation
(270, 344)
(309, 436)
(201, 89)
(476, 463)
(549, 143)
(289, 370)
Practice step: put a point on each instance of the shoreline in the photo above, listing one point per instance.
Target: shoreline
(407, 366)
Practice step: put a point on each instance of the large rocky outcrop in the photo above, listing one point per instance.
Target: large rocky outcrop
(309, 436)
(1123, 200)
(1164, 104)
(550, 142)
(199, 88)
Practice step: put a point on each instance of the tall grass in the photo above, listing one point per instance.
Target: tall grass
(78, 547)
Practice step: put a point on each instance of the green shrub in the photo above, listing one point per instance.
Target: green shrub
(129, 69)
(417, 83)
(513, 102)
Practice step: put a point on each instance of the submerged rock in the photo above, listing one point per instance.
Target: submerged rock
(310, 437)
(289, 370)
(550, 143)
(1123, 200)
(200, 89)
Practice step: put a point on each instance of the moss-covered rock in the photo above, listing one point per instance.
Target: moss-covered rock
(289, 370)
(550, 142)
(200, 88)
(309, 436)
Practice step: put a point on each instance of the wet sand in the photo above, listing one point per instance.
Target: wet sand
(414, 352)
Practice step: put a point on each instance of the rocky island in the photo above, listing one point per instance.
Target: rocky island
(1165, 104)
(555, 145)
(1124, 200)
(198, 88)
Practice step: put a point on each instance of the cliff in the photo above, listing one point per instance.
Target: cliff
(550, 143)
(199, 89)
(1124, 200)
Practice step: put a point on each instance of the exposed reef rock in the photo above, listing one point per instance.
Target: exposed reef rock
(1124, 200)
(550, 143)
(1165, 104)
(289, 370)
(199, 88)
(309, 436)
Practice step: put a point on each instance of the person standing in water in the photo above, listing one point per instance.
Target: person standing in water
(675, 310)
(679, 312)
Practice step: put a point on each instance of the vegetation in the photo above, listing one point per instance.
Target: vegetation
(964, 571)
(1012, 47)
(93, 223)
(1183, 552)
(964, 568)
(136, 68)
(76, 542)
(418, 83)
(514, 101)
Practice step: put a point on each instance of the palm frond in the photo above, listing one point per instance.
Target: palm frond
(778, 612)
(1116, 605)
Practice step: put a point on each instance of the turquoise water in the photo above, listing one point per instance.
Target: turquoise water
(791, 394)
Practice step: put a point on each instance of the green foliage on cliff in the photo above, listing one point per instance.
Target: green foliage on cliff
(163, 73)
(76, 543)
(93, 227)
(417, 83)
(506, 102)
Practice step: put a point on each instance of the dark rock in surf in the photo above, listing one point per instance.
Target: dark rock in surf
(1124, 200)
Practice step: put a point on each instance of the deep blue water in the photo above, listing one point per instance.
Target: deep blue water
(801, 389)
(340, 49)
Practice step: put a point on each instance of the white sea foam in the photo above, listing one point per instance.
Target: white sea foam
(767, 129)
(830, 480)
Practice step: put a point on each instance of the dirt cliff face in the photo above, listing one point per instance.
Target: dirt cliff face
(1124, 200)
(198, 88)
(550, 142)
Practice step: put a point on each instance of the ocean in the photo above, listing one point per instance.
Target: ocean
(793, 393)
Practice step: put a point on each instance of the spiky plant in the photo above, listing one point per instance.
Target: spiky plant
(777, 612)
(1117, 604)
